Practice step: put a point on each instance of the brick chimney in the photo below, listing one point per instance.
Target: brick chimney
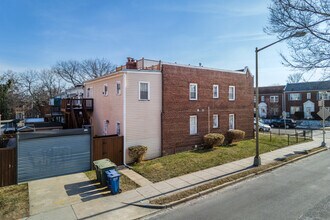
(131, 63)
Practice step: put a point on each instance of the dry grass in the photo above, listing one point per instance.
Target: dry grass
(126, 183)
(184, 194)
(14, 201)
(191, 161)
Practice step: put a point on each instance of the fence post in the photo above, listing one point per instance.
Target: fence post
(311, 134)
(304, 133)
(288, 139)
(296, 137)
(270, 136)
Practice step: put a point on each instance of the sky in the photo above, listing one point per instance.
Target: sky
(219, 34)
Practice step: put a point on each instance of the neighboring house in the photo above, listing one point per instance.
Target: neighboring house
(169, 107)
(301, 99)
(71, 108)
(270, 101)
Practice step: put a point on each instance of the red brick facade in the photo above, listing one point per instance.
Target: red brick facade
(314, 97)
(274, 109)
(177, 108)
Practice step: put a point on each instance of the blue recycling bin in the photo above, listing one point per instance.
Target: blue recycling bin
(113, 178)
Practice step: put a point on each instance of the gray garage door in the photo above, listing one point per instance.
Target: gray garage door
(52, 153)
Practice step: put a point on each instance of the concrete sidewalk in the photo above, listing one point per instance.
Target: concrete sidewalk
(118, 206)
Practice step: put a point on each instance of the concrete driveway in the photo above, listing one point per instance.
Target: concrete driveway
(57, 192)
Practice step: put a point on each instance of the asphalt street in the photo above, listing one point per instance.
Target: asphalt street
(300, 190)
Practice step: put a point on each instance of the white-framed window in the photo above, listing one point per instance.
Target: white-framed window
(144, 91)
(231, 121)
(294, 96)
(105, 127)
(231, 95)
(118, 128)
(193, 91)
(215, 91)
(294, 109)
(105, 90)
(308, 95)
(118, 88)
(254, 99)
(324, 95)
(215, 121)
(262, 98)
(274, 99)
(193, 124)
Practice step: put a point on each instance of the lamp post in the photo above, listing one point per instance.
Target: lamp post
(257, 159)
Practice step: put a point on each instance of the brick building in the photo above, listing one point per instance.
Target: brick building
(199, 100)
(301, 99)
(270, 101)
(298, 100)
(170, 107)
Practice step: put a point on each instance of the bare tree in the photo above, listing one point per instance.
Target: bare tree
(76, 72)
(311, 52)
(70, 71)
(94, 68)
(295, 78)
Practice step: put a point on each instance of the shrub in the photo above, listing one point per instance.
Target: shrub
(213, 139)
(234, 135)
(137, 152)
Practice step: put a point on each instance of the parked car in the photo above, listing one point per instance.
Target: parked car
(262, 127)
(281, 123)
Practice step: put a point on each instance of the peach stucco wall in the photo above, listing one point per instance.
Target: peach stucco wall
(106, 107)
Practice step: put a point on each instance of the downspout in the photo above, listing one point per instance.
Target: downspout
(161, 68)
(208, 119)
(124, 120)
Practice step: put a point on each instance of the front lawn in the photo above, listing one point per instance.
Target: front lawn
(191, 161)
(14, 201)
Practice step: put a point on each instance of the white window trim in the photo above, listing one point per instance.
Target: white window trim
(274, 99)
(118, 83)
(262, 98)
(217, 88)
(105, 93)
(309, 95)
(196, 131)
(193, 84)
(299, 94)
(217, 120)
(233, 116)
(234, 93)
(140, 91)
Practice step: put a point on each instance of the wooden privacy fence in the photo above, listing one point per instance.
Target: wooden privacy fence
(8, 166)
(108, 147)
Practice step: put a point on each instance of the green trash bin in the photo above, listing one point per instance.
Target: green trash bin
(100, 167)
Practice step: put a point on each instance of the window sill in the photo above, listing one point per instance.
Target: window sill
(144, 100)
(194, 134)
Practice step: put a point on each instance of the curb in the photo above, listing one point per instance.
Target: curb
(207, 191)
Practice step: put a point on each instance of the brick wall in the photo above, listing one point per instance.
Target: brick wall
(177, 108)
(314, 99)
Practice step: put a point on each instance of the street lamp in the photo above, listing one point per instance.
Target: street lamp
(257, 159)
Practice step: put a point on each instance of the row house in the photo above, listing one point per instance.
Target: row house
(170, 107)
(298, 100)
(270, 101)
(301, 99)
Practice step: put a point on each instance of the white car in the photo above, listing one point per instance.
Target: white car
(262, 127)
